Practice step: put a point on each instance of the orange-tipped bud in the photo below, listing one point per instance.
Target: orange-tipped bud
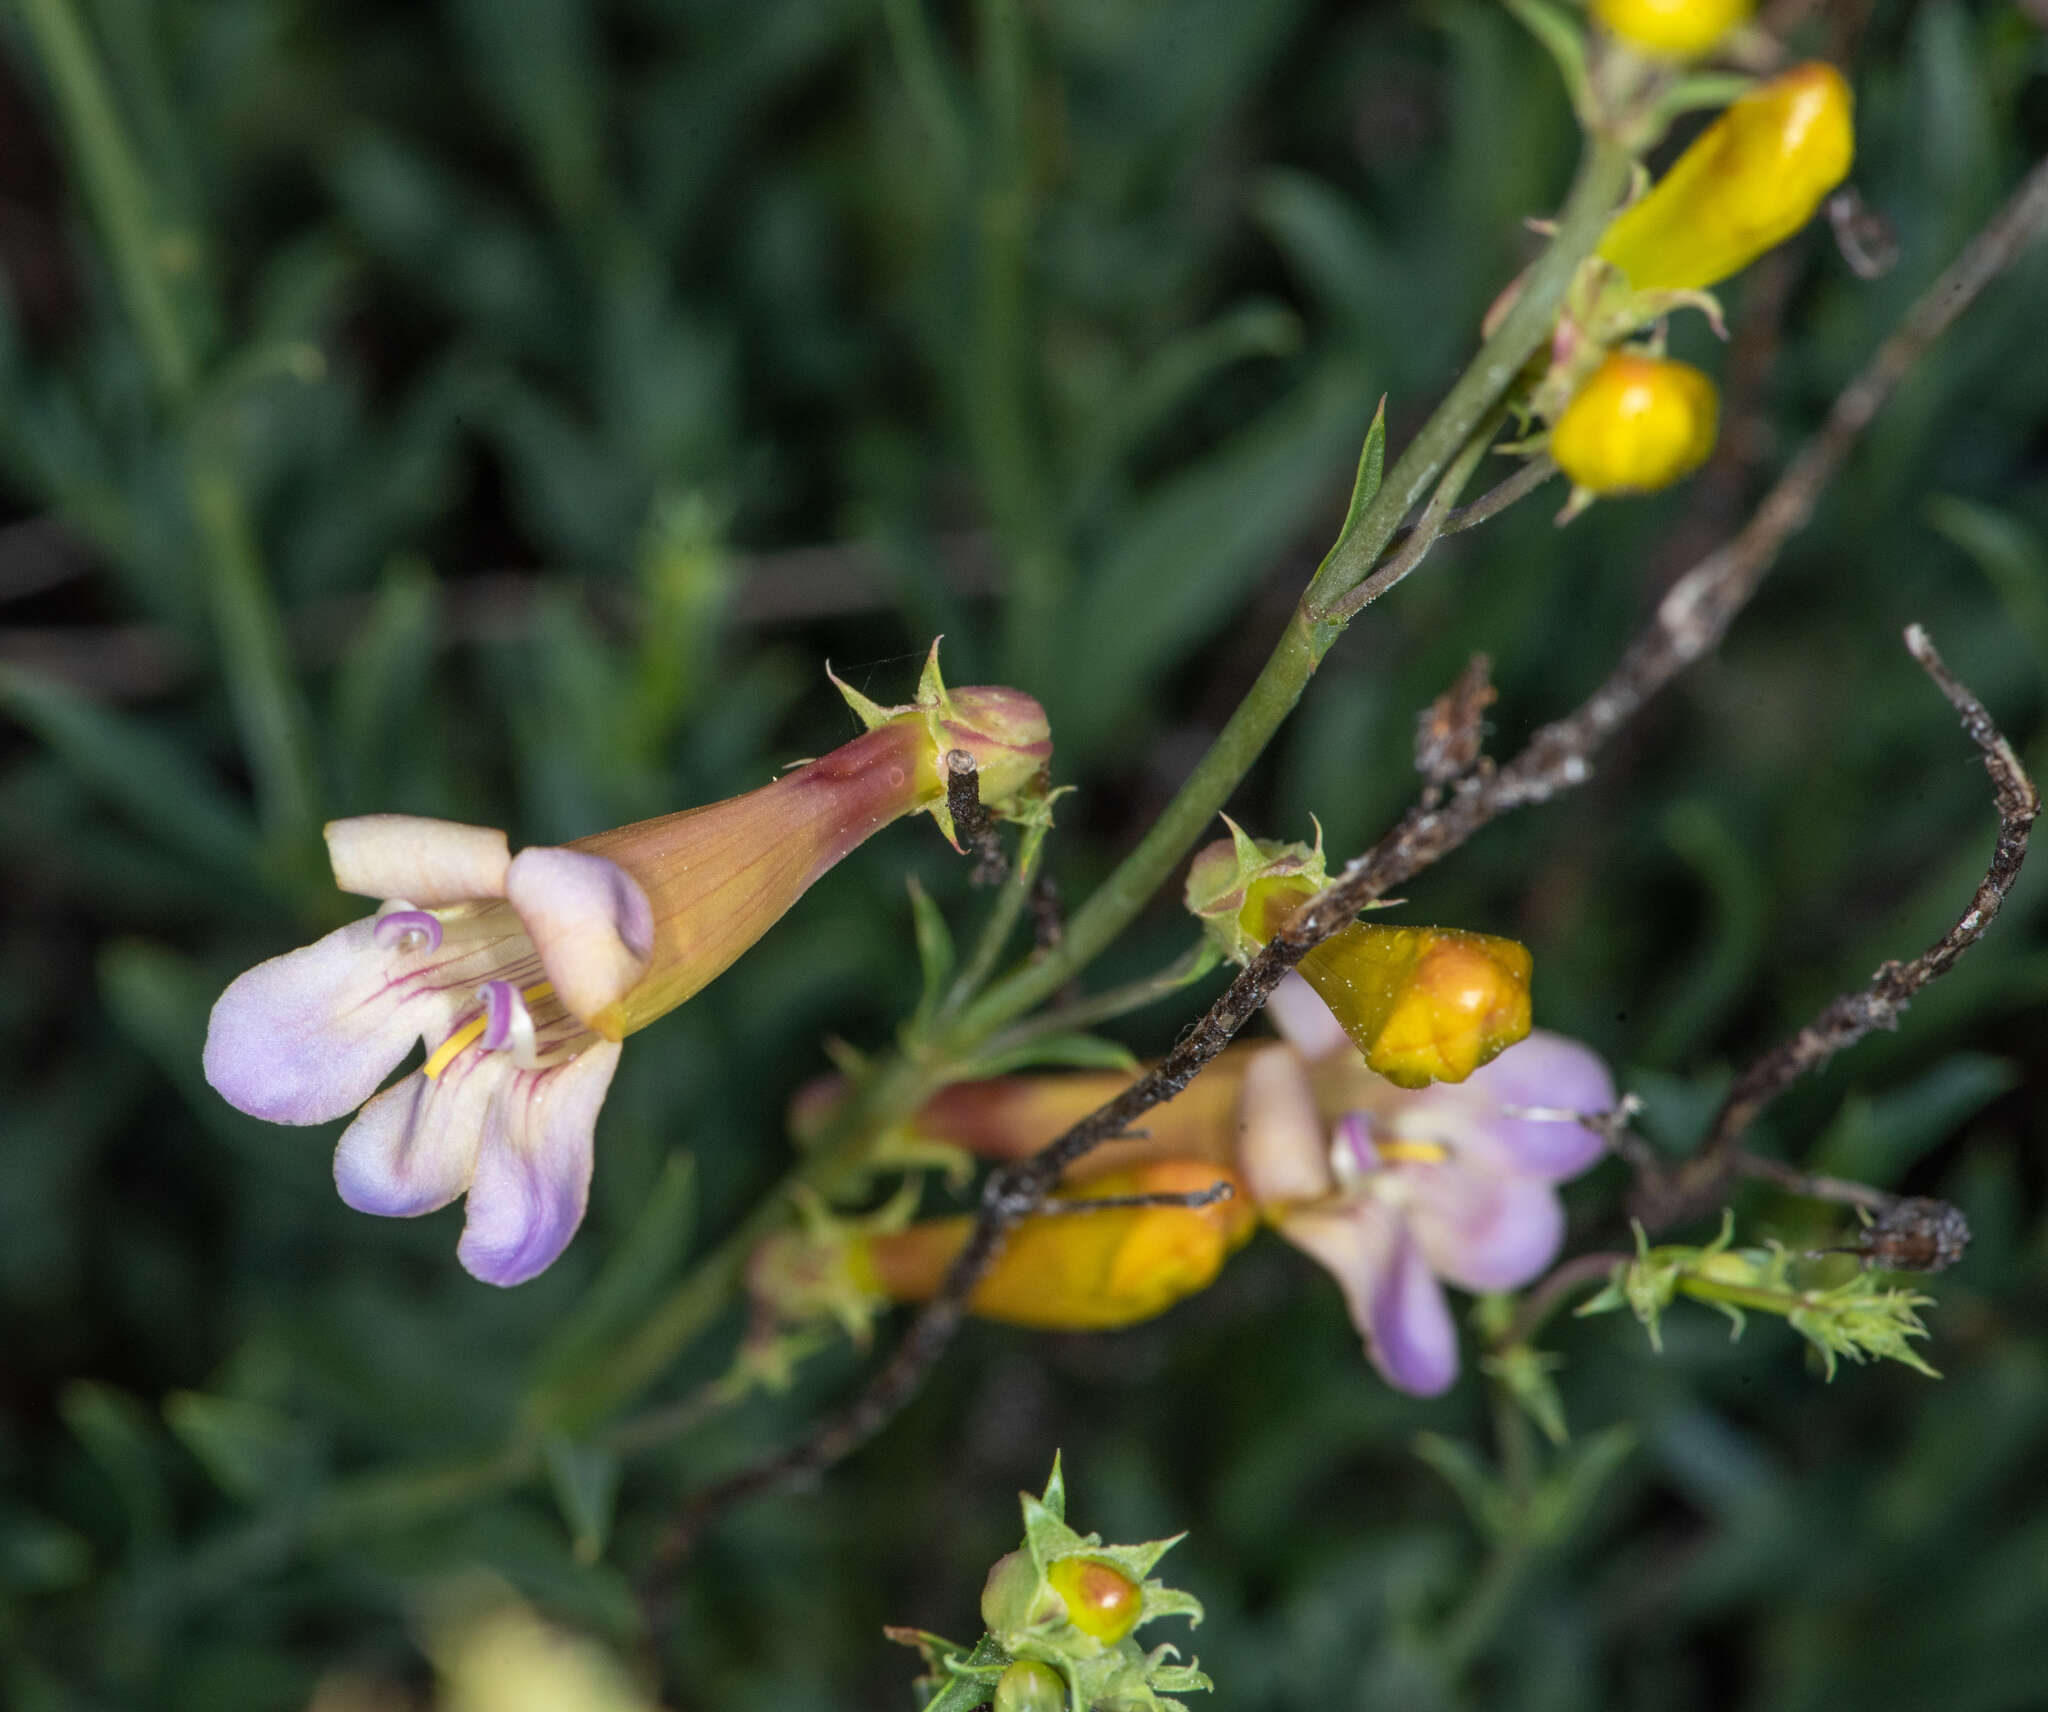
(1638, 424)
(1424, 1004)
(1750, 180)
(1672, 29)
(1101, 1600)
(1078, 1271)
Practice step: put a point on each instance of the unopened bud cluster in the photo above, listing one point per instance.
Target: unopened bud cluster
(1862, 1317)
(1061, 1612)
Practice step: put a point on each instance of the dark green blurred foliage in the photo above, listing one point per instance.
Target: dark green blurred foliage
(590, 373)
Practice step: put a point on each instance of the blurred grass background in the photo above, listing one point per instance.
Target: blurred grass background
(580, 375)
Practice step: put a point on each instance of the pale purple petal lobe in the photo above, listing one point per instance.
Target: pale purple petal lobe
(308, 1036)
(1481, 1231)
(588, 919)
(533, 1171)
(1547, 1072)
(1409, 1332)
(413, 1148)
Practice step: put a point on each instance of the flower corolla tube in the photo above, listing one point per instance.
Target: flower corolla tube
(1396, 1192)
(522, 974)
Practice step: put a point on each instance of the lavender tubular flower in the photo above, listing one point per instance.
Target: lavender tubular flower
(1398, 1192)
(523, 973)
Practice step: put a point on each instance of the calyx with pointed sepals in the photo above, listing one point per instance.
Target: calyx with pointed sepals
(1231, 883)
(1004, 730)
(1029, 1621)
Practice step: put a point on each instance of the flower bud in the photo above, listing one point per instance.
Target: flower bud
(1028, 1686)
(1079, 1271)
(1638, 424)
(1013, 1598)
(1749, 181)
(1101, 1600)
(1672, 29)
(1423, 1004)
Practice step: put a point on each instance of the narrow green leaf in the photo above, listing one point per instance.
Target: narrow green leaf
(253, 1453)
(1365, 486)
(934, 951)
(1065, 1051)
(139, 773)
(120, 1438)
(646, 1260)
(585, 1480)
(382, 682)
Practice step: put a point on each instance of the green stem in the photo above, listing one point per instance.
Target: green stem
(1603, 176)
(257, 661)
(116, 188)
(1428, 528)
(591, 1391)
(1475, 1622)
(1001, 923)
(1116, 1002)
(1000, 408)
(1119, 898)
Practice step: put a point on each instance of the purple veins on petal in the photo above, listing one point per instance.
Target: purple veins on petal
(408, 930)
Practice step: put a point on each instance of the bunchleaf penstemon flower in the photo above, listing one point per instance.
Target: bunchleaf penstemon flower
(1398, 1192)
(522, 974)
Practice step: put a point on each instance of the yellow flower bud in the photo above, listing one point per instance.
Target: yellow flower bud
(1750, 180)
(1640, 423)
(1102, 1601)
(1424, 1004)
(1078, 1271)
(1672, 29)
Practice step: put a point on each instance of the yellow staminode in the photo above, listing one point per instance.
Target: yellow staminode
(1639, 424)
(1411, 1152)
(1672, 29)
(1749, 181)
(445, 1053)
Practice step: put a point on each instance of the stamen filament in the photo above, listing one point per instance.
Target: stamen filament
(445, 1053)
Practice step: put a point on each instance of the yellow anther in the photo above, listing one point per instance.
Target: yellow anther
(1412, 1152)
(445, 1053)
